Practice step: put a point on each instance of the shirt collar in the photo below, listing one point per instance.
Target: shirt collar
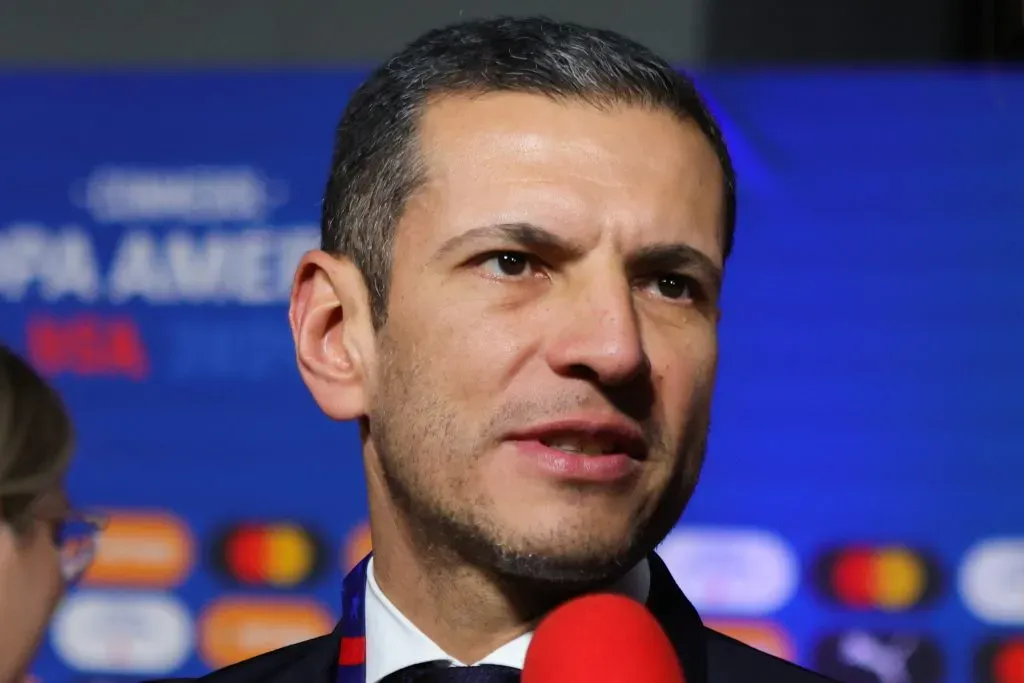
(393, 642)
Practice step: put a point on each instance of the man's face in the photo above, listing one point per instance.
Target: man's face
(545, 373)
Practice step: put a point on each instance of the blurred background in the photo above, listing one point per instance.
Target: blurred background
(862, 508)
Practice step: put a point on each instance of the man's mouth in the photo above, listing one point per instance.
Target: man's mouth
(582, 445)
(589, 437)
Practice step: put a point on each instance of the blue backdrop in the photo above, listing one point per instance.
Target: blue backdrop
(861, 509)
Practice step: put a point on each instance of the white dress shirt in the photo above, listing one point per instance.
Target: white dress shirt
(393, 642)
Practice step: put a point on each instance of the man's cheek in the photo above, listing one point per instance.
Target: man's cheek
(487, 337)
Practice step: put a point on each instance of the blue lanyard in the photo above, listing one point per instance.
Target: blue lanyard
(352, 653)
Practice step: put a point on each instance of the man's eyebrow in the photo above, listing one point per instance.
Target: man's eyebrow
(667, 257)
(525, 235)
(655, 257)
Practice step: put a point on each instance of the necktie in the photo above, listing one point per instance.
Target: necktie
(443, 672)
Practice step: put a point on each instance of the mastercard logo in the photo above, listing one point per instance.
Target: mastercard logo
(234, 629)
(357, 546)
(142, 550)
(1000, 660)
(764, 636)
(890, 578)
(275, 555)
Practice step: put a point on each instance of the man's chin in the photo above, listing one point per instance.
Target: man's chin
(534, 554)
(584, 570)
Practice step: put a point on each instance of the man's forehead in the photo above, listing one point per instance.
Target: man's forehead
(452, 118)
(570, 169)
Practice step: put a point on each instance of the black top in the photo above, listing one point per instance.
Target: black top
(706, 655)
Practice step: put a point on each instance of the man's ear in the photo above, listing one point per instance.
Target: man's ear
(333, 333)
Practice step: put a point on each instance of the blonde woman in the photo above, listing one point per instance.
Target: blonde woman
(44, 545)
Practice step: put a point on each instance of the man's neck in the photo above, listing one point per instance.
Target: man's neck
(458, 608)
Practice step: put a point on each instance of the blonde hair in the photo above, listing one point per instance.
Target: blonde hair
(36, 438)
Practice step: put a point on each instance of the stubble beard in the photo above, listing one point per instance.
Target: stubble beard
(408, 424)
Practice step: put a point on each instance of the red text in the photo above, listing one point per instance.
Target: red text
(87, 345)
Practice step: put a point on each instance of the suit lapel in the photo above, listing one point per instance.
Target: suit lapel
(312, 661)
(679, 620)
(320, 665)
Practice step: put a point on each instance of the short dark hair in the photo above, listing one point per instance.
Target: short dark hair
(375, 166)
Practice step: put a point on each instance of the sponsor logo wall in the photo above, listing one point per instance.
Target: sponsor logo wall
(860, 509)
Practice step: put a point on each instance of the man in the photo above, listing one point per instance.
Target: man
(524, 233)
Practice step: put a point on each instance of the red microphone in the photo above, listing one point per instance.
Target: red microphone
(601, 638)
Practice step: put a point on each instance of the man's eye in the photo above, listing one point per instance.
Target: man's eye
(677, 287)
(507, 264)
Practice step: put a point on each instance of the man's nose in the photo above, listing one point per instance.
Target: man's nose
(596, 334)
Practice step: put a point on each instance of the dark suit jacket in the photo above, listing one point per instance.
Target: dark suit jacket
(707, 656)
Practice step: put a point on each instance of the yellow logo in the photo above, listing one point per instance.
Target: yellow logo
(234, 628)
(142, 549)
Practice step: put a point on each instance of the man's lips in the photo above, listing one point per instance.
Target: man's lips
(591, 437)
